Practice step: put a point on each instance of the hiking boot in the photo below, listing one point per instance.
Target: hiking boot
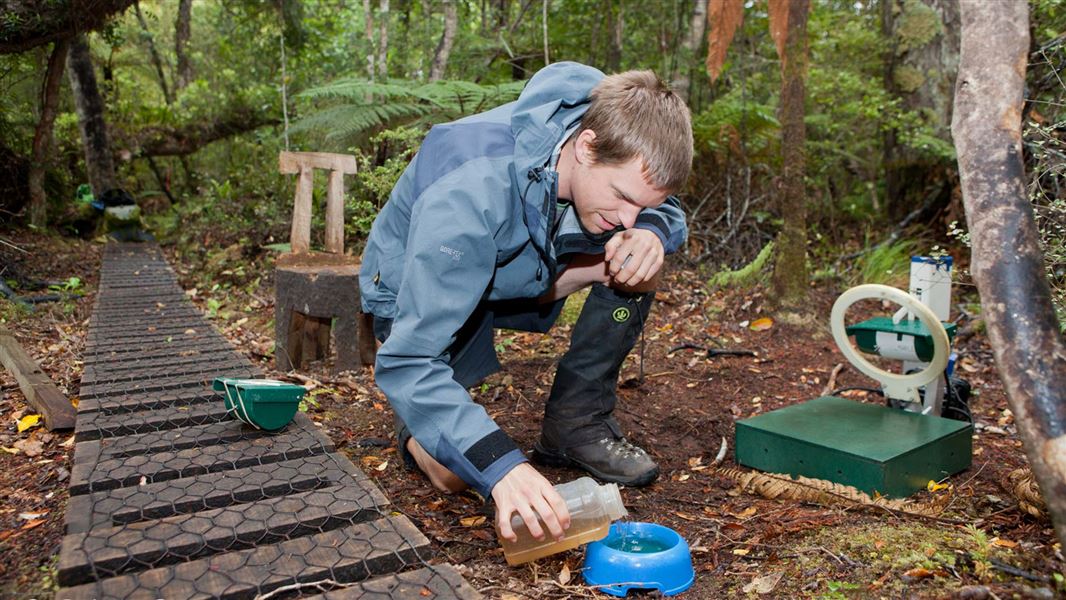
(609, 459)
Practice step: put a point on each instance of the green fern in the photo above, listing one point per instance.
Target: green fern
(732, 120)
(346, 109)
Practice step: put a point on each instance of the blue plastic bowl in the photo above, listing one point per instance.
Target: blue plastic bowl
(639, 556)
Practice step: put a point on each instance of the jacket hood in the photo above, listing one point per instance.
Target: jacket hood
(555, 98)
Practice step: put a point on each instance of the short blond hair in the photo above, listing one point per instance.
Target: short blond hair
(635, 114)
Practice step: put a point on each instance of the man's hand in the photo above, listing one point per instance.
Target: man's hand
(527, 492)
(634, 256)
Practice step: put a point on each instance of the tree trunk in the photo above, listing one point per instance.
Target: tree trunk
(368, 17)
(182, 33)
(920, 69)
(690, 49)
(447, 38)
(99, 163)
(790, 268)
(42, 138)
(617, 22)
(1007, 263)
(157, 61)
(383, 40)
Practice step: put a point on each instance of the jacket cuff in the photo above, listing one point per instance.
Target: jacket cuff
(656, 225)
(496, 471)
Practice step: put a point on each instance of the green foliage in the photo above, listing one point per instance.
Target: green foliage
(376, 177)
(888, 264)
(343, 110)
(738, 126)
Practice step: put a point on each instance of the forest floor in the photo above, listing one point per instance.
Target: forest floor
(743, 544)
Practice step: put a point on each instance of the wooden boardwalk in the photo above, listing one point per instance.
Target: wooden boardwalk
(171, 497)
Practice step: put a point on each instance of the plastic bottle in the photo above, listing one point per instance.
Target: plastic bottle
(592, 509)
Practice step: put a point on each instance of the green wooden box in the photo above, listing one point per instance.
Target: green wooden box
(868, 446)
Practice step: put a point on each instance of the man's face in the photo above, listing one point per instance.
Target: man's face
(606, 196)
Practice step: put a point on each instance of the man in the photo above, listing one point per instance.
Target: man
(496, 220)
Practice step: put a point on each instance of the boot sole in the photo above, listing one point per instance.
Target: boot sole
(552, 459)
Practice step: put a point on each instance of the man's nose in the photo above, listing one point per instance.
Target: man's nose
(628, 216)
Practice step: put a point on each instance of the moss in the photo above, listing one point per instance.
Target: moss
(898, 548)
(918, 25)
(745, 274)
(572, 308)
(907, 78)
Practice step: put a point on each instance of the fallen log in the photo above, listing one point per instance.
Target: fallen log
(40, 392)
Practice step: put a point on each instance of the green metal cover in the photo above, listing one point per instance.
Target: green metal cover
(866, 334)
(870, 447)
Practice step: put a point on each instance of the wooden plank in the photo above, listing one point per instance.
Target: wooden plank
(335, 213)
(212, 490)
(128, 387)
(108, 473)
(111, 551)
(344, 555)
(120, 352)
(441, 582)
(97, 425)
(290, 163)
(113, 405)
(300, 235)
(195, 436)
(39, 390)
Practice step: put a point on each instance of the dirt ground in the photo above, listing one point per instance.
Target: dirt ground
(743, 545)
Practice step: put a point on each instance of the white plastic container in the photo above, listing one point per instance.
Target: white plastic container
(593, 507)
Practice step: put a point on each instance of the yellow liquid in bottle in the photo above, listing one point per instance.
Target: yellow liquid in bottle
(527, 548)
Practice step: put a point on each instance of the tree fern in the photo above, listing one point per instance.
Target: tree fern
(346, 110)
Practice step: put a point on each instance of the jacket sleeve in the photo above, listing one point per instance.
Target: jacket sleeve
(449, 263)
(666, 221)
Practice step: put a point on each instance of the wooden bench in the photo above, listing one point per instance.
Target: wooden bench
(317, 292)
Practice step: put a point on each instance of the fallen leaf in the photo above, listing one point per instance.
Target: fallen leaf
(1004, 543)
(34, 523)
(190, 332)
(741, 551)
(764, 584)
(695, 461)
(933, 486)
(761, 324)
(919, 573)
(746, 513)
(564, 575)
(424, 592)
(28, 421)
(9, 450)
(474, 521)
(684, 516)
(30, 447)
(29, 516)
(382, 466)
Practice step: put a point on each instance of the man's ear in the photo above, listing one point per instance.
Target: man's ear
(583, 147)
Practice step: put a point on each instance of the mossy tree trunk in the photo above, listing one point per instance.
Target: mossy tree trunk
(790, 268)
(42, 138)
(90, 107)
(920, 69)
(1007, 263)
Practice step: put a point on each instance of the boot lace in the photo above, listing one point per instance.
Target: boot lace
(622, 447)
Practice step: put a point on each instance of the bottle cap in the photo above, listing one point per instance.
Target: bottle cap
(612, 501)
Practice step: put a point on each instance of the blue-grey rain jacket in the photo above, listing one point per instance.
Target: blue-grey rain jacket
(470, 220)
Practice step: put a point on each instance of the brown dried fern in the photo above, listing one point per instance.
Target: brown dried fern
(826, 493)
(1027, 492)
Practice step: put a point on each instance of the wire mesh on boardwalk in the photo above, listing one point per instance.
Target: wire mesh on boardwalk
(172, 497)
